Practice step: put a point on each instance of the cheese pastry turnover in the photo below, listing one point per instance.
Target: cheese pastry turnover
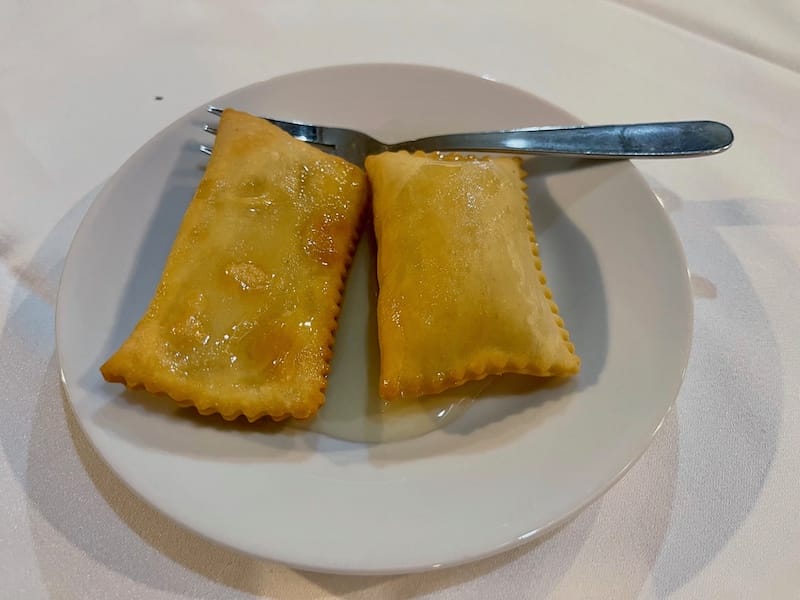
(242, 321)
(461, 293)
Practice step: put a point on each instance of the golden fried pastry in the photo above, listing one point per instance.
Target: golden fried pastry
(461, 294)
(243, 319)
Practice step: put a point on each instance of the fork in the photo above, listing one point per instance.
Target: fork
(675, 139)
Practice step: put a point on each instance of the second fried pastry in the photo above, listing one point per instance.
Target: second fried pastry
(462, 294)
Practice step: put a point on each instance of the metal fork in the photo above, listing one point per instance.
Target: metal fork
(676, 139)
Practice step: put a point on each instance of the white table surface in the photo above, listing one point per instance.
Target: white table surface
(712, 510)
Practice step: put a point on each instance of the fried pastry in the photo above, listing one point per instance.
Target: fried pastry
(243, 319)
(461, 293)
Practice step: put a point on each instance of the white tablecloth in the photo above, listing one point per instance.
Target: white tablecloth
(712, 510)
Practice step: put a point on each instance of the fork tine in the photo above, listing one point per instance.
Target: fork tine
(298, 132)
(350, 145)
(206, 149)
(301, 131)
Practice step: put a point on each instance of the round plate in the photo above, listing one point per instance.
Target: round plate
(517, 461)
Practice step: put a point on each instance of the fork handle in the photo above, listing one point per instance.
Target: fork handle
(642, 140)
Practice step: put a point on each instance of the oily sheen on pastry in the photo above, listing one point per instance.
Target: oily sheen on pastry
(242, 321)
(461, 293)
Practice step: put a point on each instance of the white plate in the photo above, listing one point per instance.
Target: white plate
(515, 463)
